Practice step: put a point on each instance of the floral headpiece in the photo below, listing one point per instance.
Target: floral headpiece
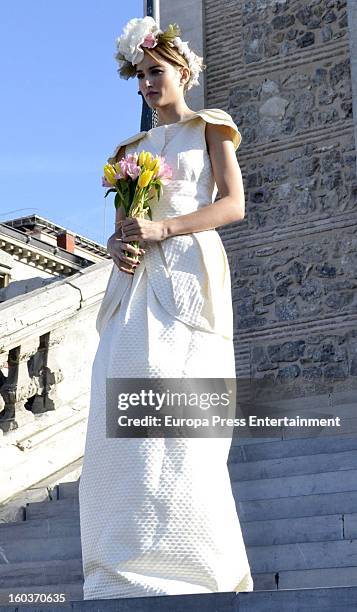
(143, 32)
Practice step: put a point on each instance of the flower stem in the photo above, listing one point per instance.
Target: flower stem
(136, 211)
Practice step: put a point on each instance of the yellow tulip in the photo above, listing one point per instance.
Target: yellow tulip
(148, 160)
(109, 173)
(155, 165)
(145, 178)
(141, 158)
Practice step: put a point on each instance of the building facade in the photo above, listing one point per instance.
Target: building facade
(285, 72)
(34, 252)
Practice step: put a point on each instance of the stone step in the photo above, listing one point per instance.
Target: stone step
(266, 468)
(261, 532)
(65, 508)
(331, 481)
(293, 466)
(299, 600)
(302, 600)
(42, 549)
(259, 460)
(302, 556)
(302, 529)
(299, 454)
(293, 486)
(294, 496)
(66, 577)
(67, 489)
(33, 573)
(305, 579)
(263, 558)
(14, 510)
(255, 451)
(316, 578)
(298, 506)
(248, 510)
(40, 528)
(46, 489)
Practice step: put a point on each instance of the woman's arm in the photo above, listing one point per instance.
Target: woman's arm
(228, 177)
(230, 207)
(119, 216)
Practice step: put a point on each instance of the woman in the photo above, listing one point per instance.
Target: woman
(157, 515)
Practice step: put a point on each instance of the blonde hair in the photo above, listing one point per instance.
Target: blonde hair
(170, 54)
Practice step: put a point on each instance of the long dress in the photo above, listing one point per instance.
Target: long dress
(157, 515)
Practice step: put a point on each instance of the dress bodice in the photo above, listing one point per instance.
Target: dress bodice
(183, 144)
(189, 273)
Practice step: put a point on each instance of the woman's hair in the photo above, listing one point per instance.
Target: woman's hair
(170, 54)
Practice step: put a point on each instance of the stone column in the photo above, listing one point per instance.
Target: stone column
(189, 16)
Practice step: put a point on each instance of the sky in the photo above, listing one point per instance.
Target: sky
(64, 109)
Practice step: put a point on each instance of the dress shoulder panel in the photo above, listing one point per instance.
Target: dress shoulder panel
(211, 115)
(131, 139)
(221, 117)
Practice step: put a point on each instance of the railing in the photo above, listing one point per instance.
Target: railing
(48, 341)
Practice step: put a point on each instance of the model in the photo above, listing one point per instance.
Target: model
(157, 515)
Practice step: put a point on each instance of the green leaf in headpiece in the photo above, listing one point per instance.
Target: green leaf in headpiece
(171, 32)
(120, 56)
(127, 70)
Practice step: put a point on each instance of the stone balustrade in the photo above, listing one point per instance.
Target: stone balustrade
(48, 341)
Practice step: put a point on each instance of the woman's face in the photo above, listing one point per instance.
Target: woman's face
(160, 77)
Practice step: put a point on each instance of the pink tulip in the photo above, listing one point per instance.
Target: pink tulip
(132, 157)
(122, 174)
(165, 173)
(133, 170)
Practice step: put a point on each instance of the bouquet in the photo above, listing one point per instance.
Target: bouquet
(135, 179)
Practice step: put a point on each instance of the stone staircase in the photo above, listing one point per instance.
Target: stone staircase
(297, 503)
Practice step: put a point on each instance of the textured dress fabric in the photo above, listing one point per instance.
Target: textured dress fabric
(157, 515)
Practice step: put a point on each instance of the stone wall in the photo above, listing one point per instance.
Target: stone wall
(282, 70)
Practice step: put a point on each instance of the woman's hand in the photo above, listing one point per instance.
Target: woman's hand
(142, 230)
(116, 248)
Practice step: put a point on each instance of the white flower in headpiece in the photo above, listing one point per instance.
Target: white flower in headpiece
(143, 32)
(194, 61)
(137, 32)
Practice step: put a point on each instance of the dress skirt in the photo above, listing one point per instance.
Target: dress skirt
(157, 515)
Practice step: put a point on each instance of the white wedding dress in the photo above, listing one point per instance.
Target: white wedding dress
(157, 515)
